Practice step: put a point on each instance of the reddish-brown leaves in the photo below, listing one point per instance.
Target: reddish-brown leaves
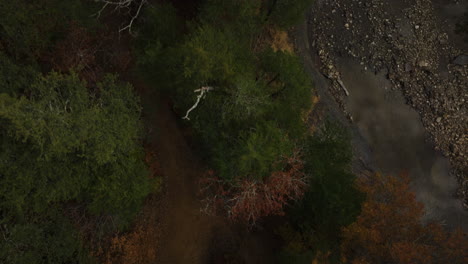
(89, 54)
(248, 200)
(77, 52)
(389, 229)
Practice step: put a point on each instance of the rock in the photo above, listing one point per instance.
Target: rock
(461, 60)
(439, 119)
(423, 63)
(408, 67)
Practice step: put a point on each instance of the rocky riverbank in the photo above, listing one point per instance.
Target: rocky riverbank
(406, 41)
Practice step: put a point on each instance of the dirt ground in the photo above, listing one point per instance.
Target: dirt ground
(186, 231)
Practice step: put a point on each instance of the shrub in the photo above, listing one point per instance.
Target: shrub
(248, 200)
(24, 38)
(41, 239)
(330, 202)
(287, 13)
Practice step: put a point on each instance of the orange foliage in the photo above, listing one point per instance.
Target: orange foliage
(280, 40)
(136, 247)
(389, 229)
(248, 200)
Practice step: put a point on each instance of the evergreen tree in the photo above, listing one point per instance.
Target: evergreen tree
(62, 143)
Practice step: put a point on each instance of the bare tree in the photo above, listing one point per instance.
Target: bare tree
(126, 6)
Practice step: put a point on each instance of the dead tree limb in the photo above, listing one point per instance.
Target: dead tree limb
(202, 92)
(119, 5)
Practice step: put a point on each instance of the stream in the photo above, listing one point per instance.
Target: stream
(399, 142)
(387, 134)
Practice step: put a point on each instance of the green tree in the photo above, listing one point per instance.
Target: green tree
(289, 88)
(330, 203)
(160, 31)
(251, 119)
(242, 18)
(287, 13)
(212, 54)
(14, 78)
(254, 155)
(62, 143)
(47, 238)
(28, 28)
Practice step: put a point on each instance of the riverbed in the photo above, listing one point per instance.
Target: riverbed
(399, 142)
(387, 134)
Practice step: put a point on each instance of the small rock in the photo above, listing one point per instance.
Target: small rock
(439, 119)
(423, 63)
(461, 60)
(408, 67)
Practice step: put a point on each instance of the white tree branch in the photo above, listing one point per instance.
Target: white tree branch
(123, 4)
(202, 92)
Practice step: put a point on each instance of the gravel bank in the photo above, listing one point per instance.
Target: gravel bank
(405, 41)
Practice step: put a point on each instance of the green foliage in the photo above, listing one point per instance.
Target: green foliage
(245, 124)
(287, 13)
(14, 78)
(255, 154)
(28, 28)
(241, 18)
(161, 24)
(261, 149)
(211, 55)
(290, 87)
(62, 143)
(160, 30)
(226, 118)
(331, 202)
(248, 100)
(43, 239)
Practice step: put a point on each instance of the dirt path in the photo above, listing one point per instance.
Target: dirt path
(185, 231)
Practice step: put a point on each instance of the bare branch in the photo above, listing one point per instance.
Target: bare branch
(120, 5)
(202, 91)
(129, 26)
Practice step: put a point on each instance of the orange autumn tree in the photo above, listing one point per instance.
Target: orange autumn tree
(389, 228)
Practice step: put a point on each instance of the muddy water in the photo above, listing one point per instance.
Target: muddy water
(398, 142)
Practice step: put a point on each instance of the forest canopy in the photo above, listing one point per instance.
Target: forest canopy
(65, 143)
(77, 164)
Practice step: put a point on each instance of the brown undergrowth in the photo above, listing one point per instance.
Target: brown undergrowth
(280, 40)
(138, 246)
(275, 38)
